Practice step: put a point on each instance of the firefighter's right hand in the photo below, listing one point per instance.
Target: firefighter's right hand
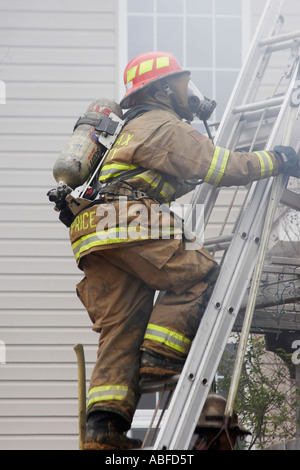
(288, 158)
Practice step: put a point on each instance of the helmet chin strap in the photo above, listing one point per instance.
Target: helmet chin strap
(170, 94)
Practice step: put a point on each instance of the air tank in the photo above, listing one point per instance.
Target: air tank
(82, 152)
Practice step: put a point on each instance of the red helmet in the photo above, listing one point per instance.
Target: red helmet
(147, 68)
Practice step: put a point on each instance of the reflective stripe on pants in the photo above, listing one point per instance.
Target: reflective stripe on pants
(168, 337)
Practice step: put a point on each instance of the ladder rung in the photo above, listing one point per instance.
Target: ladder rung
(255, 115)
(217, 247)
(278, 270)
(285, 261)
(291, 199)
(218, 243)
(283, 45)
(216, 240)
(280, 38)
(167, 384)
(259, 105)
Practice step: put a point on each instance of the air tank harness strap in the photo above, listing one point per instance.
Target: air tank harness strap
(114, 192)
(102, 124)
(120, 187)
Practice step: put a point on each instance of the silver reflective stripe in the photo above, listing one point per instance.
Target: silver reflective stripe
(108, 393)
(217, 166)
(168, 337)
(99, 238)
(266, 163)
(107, 237)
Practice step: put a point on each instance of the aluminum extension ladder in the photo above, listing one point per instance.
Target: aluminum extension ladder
(249, 123)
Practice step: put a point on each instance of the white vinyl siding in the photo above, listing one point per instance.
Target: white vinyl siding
(55, 58)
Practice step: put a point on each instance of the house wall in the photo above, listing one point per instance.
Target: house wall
(55, 58)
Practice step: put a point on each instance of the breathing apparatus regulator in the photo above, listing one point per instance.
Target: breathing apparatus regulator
(201, 106)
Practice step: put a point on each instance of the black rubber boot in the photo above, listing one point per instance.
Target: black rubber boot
(103, 433)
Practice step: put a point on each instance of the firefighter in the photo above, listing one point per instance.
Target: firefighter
(130, 245)
(212, 431)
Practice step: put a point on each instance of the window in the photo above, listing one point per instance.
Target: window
(205, 37)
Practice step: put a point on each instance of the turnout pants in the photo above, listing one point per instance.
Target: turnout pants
(118, 292)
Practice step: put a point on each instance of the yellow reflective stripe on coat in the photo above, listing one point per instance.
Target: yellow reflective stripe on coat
(266, 163)
(111, 170)
(153, 178)
(121, 235)
(108, 393)
(217, 166)
(168, 337)
(106, 237)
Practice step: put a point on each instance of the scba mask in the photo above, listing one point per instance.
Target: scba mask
(200, 106)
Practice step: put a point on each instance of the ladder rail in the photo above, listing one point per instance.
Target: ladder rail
(253, 67)
(206, 194)
(217, 323)
(277, 188)
(193, 376)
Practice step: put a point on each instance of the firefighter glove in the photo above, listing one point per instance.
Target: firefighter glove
(288, 160)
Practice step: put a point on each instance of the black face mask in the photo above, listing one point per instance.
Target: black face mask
(200, 106)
